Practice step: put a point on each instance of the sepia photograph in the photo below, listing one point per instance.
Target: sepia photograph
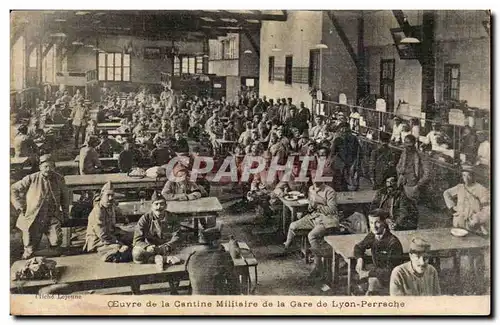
(250, 162)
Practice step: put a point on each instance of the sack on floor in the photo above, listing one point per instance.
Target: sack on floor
(36, 268)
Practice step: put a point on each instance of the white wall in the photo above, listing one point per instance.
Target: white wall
(380, 45)
(462, 39)
(288, 37)
(339, 71)
(223, 67)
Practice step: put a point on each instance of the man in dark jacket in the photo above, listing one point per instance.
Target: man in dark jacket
(386, 252)
(382, 162)
(347, 152)
(210, 267)
(303, 116)
(403, 212)
(154, 233)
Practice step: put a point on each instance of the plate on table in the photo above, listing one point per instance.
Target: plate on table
(289, 197)
(459, 232)
(295, 193)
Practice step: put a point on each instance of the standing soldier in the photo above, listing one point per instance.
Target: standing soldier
(79, 115)
(42, 202)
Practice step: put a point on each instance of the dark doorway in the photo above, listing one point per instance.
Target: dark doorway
(387, 83)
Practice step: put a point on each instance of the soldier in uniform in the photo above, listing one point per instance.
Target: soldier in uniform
(155, 234)
(41, 200)
(102, 234)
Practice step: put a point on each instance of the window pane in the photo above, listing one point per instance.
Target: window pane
(118, 59)
(110, 74)
(126, 74)
(192, 64)
(454, 73)
(454, 83)
(102, 73)
(185, 64)
(126, 60)
(110, 59)
(118, 74)
(102, 59)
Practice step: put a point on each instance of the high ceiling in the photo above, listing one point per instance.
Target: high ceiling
(154, 24)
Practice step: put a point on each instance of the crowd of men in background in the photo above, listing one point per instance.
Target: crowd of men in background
(154, 128)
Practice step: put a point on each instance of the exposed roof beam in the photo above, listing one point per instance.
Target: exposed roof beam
(343, 37)
(47, 49)
(402, 21)
(240, 16)
(254, 44)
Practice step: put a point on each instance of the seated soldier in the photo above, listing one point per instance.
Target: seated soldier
(162, 154)
(386, 252)
(466, 200)
(130, 157)
(260, 194)
(89, 158)
(102, 234)
(182, 189)
(24, 146)
(107, 146)
(403, 212)
(210, 267)
(180, 144)
(321, 220)
(416, 277)
(154, 233)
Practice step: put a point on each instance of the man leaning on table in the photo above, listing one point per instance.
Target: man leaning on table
(416, 277)
(182, 188)
(386, 252)
(42, 201)
(155, 234)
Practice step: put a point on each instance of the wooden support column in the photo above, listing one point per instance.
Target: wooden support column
(362, 73)
(206, 50)
(427, 59)
(39, 63)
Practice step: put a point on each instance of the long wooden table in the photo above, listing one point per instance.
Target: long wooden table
(88, 272)
(108, 125)
(441, 241)
(18, 162)
(96, 181)
(203, 209)
(119, 180)
(207, 205)
(343, 198)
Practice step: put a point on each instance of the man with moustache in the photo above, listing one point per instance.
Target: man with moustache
(413, 169)
(386, 252)
(403, 212)
(416, 277)
(42, 201)
(155, 234)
